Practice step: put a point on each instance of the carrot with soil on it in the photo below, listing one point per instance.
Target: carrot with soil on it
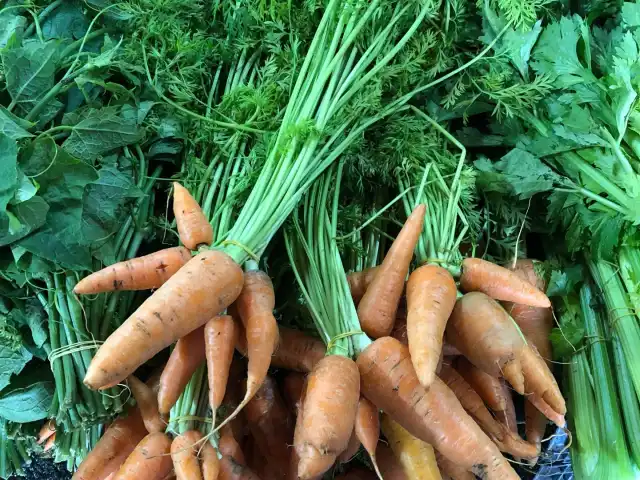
(431, 296)
(210, 462)
(147, 402)
(367, 429)
(297, 351)
(184, 454)
(255, 306)
(503, 437)
(327, 417)
(359, 282)
(113, 448)
(499, 283)
(433, 415)
(150, 459)
(293, 386)
(451, 471)
(230, 469)
(140, 273)
(485, 334)
(187, 355)
(205, 286)
(194, 229)
(220, 336)
(229, 446)
(271, 425)
(416, 457)
(378, 307)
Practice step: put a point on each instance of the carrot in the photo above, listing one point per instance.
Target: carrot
(220, 336)
(293, 386)
(399, 331)
(210, 462)
(148, 405)
(50, 443)
(502, 436)
(255, 307)
(140, 273)
(117, 443)
(193, 227)
(548, 412)
(297, 351)
(434, 416)
(390, 468)
(294, 460)
(185, 358)
(416, 457)
(451, 471)
(205, 286)
(352, 449)
(367, 428)
(232, 470)
(431, 296)
(150, 459)
(378, 307)
(490, 388)
(229, 446)
(47, 430)
(499, 283)
(507, 416)
(536, 324)
(484, 333)
(184, 453)
(271, 425)
(327, 416)
(359, 282)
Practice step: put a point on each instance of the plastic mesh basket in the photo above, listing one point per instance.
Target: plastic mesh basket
(555, 463)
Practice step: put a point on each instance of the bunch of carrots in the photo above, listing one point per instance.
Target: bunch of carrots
(438, 355)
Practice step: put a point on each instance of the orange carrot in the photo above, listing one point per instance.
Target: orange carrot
(499, 283)
(327, 416)
(484, 333)
(232, 470)
(255, 307)
(140, 273)
(536, 324)
(367, 428)
(150, 459)
(431, 296)
(548, 412)
(508, 416)
(294, 460)
(352, 449)
(205, 286)
(229, 446)
(117, 443)
(186, 357)
(378, 307)
(293, 386)
(297, 351)
(452, 471)
(503, 437)
(489, 388)
(271, 425)
(148, 405)
(193, 227)
(220, 336)
(210, 462)
(399, 331)
(48, 429)
(359, 282)
(184, 453)
(50, 443)
(432, 415)
(390, 468)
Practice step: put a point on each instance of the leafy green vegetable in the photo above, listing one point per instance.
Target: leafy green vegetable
(29, 397)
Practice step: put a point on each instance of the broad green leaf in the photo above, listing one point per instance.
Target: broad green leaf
(29, 397)
(10, 125)
(66, 21)
(630, 14)
(12, 361)
(30, 70)
(31, 215)
(100, 131)
(10, 24)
